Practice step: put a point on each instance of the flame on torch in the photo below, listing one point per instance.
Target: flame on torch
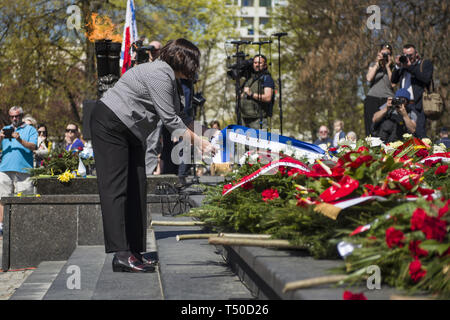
(102, 28)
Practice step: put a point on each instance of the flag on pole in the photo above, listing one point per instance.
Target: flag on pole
(130, 35)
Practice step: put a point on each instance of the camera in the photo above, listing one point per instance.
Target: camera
(241, 69)
(142, 52)
(397, 102)
(386, 56)
(198, 100)
(8, 132)
(403, 59)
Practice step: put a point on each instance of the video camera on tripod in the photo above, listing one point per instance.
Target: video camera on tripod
(243, 68)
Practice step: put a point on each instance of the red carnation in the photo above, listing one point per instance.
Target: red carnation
(282, 170)
(270, 194)
(363, 149)
(416, 251)
(394, 237)
(434, 228)
(415, 270)
(226, 188)
(443, 210)
(418, 219)
(60, 155)
(422, 153)
(247, 185)
(348, 295)
(360, 160)
(293, 171)
(430, 163)
(441, 169)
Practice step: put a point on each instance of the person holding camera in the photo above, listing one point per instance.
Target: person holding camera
(120, 123)
(258, 96)
(395, 118)
(414, 74)
(18, 142)
(379, 78)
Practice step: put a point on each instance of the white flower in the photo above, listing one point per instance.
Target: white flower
(427, 141)
(374, 141)
(395, 144)
(440, 148)
(407, 136)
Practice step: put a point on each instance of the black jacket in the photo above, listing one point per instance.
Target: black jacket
(420, 79)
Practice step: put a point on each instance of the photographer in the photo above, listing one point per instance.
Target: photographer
(414, 74)
(395, 118)
(143, 54)
(379, 78)
(258, 96)
(18, 142)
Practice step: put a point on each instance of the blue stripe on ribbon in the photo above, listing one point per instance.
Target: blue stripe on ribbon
(263, 136)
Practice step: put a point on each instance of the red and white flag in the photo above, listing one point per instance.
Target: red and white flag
(130, 35)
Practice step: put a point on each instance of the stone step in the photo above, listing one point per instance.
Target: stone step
(37, 284)
(192, 269)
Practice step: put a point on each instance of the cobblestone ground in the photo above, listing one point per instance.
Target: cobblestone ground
(11, 280)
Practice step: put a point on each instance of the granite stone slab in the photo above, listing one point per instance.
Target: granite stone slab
(89, 260)
(36, 285)
(266, 272)
(192, 269)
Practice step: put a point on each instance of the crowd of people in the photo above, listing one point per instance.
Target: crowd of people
(393, 105)
(24, 144)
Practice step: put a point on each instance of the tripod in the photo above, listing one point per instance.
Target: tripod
(280, 103)
(239, 57)
(260, 43)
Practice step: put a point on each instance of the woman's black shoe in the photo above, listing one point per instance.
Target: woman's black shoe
(145, 260)
(131, 264)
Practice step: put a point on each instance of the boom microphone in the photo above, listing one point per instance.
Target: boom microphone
(240, 42)
(261, 42)
(279, 34)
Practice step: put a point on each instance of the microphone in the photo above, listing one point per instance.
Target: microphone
(240, 42)
(261, 42)
(279, 34)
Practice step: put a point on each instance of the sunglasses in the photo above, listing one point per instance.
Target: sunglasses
(323, 131)
(42, 132)
(18, 116)
(71, 130)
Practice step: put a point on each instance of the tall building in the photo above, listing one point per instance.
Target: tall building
(254, 17)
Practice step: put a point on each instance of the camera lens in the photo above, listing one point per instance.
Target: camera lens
(403, 59)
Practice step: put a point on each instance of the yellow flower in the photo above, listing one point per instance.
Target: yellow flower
(66, 176)
(19, 194)
(38, 195)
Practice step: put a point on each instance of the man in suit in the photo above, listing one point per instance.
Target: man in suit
(414, 75)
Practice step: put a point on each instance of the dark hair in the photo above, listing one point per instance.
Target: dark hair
(183, 56)
(212, 123)
(42, 125)
(262, 56)
(408, 46)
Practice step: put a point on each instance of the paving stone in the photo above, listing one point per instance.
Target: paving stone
(192, 269)
(39, 281)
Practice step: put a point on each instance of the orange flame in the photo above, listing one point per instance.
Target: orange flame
(101, 28)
